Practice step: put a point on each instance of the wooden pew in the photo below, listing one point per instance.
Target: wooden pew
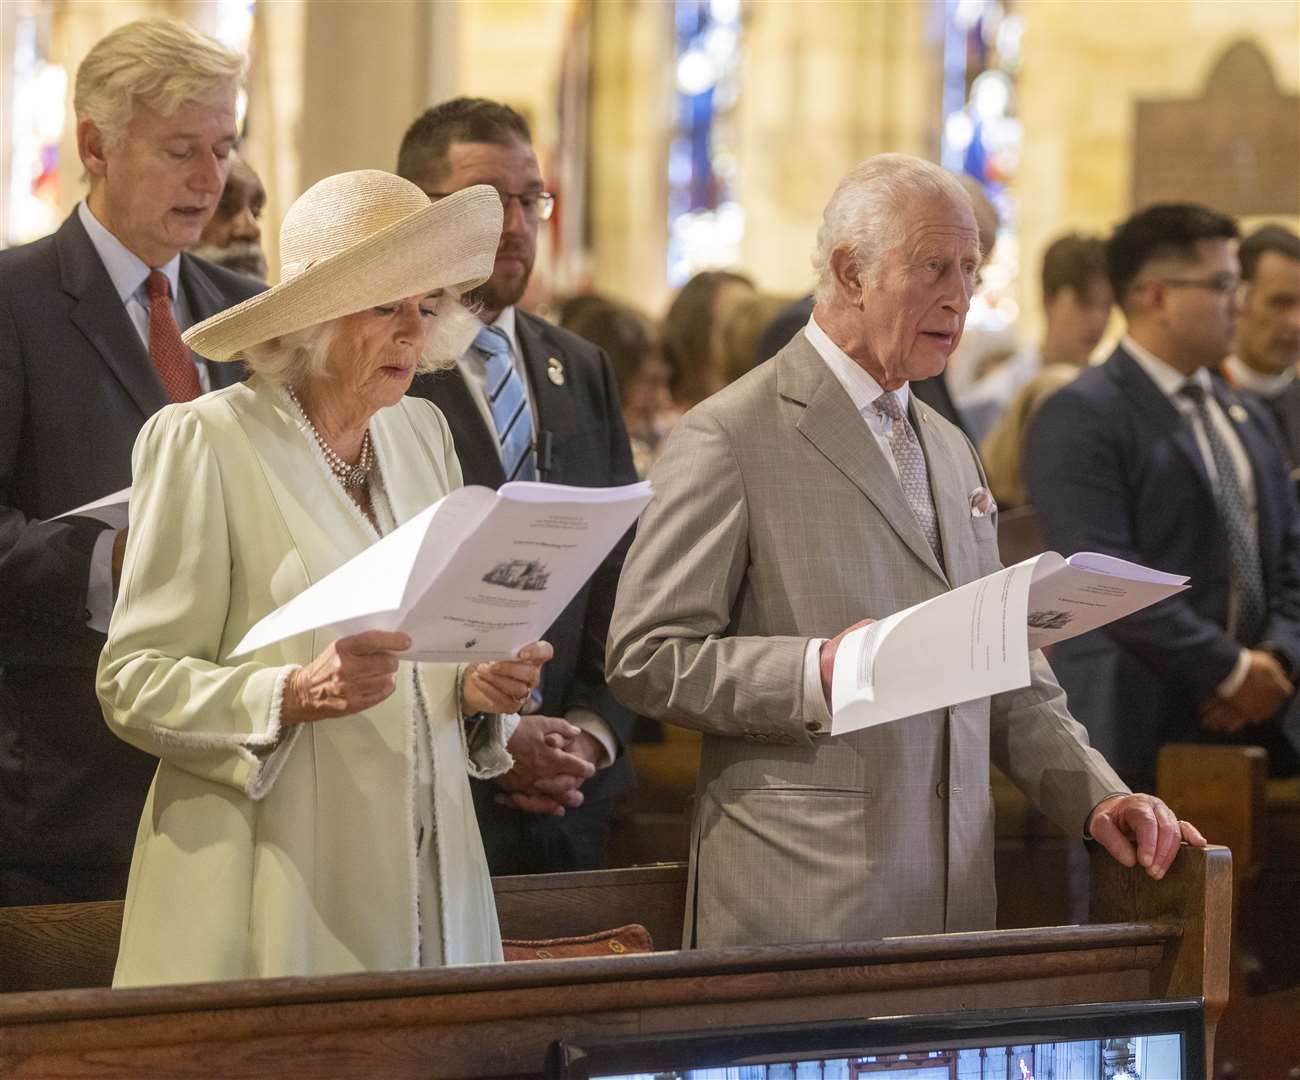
(1149, 940)
(74, 946)
(1225, 791)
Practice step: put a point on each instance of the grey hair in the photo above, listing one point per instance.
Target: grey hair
(293, 359)
(865, 213)
(162, 62)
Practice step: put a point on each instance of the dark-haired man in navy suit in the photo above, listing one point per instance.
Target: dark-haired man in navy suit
(89, 349)
(1152, 457)
(532, 401)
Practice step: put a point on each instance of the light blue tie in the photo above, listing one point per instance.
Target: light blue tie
(509, 405)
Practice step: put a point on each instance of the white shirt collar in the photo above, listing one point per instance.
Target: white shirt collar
(1256, 381)
(126, 269)
(1169, 380)
(861, 387)
(505, 322)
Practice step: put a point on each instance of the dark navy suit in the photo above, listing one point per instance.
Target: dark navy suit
(1114, 467)
(583, 423)
(76, 384)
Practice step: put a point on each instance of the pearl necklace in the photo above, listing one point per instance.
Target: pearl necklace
(350, 476)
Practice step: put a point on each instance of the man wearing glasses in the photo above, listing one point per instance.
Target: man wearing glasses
(530, 401)
(1152, 457)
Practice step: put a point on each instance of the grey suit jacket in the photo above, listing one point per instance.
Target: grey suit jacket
(76, 385)
(776, 519)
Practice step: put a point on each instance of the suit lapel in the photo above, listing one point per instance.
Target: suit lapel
(1259, 445)
(101, 316)
(1286, 408)
(205, 300)
(1160, 417)
(476, 445)
(950, 505)
(831, 423)
(552, 401)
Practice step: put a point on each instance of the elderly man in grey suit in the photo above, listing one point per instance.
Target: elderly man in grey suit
(813, 494)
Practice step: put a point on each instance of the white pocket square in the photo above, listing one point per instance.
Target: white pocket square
(982, 503)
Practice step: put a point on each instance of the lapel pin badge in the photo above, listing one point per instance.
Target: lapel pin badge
(555, 371)
(1238, 413)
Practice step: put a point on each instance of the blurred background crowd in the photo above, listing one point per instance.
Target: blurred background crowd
(691, 145)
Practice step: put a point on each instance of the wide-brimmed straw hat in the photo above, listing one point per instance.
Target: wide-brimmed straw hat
(355, 241)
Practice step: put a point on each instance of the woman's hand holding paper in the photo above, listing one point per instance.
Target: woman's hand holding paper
(503, 686)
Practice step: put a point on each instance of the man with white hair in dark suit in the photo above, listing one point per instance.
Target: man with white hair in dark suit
(90, 348)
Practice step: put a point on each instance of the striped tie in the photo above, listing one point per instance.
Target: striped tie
(509, 405)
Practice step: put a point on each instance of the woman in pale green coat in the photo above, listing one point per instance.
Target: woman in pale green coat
(311, 811)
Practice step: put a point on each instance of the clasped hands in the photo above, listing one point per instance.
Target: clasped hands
(1262, 692)
(551, 756)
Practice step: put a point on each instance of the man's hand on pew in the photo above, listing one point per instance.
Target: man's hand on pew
(1141, 830)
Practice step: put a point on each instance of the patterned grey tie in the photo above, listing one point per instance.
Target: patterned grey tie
(1247, 572)
(912, 472)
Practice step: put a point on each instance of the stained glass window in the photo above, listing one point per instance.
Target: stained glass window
(35, 120)
(705, 219)
(982, 134)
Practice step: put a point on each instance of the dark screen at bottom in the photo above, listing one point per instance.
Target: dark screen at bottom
(1161, 1040)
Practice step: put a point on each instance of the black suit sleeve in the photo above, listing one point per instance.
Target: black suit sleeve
(588, 689)
(1077, 470)
(44, 565)
(1277, 496)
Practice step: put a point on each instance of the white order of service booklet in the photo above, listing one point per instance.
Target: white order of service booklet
(476, 576)
(976, 639)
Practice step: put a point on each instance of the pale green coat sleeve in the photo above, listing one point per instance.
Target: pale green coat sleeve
(160, 679)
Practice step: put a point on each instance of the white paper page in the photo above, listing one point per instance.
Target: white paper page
(360, 595)
(111, 509)
(1071, 596)
(531, 555)
(963, 645)
(369, 591)
(420, 578)
(1108, 564)
(536, 491)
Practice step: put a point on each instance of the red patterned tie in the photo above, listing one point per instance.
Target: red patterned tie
(166, 349)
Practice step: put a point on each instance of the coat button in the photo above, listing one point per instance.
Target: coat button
(941, 789)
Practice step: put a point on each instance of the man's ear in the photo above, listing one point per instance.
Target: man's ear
(90, 148)
(847, 271)
(1150, 297)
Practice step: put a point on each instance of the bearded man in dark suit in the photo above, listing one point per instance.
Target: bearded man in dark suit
(530, 401)
(90, 347)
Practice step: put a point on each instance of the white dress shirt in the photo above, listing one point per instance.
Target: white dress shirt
(1257, 382)
(130, 277)
(1169, 381)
